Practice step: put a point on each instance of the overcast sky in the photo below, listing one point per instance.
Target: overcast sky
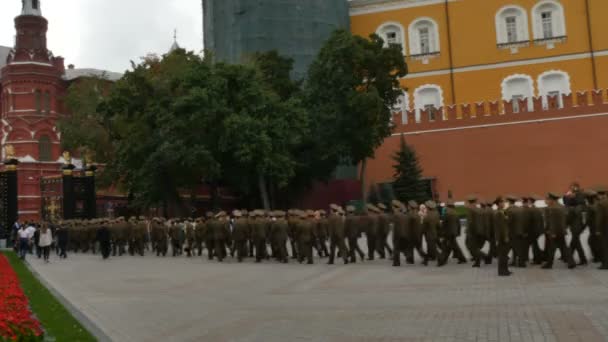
(107, 34)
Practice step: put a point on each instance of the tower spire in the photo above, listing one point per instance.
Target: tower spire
(31, 7)
(174, 46)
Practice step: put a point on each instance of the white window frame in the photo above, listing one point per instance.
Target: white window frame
(419, 106)
(506, 96)
(544, 90)
(382, 30)
(402, 107)
(414, 35)
(523, 34)
(558, 19)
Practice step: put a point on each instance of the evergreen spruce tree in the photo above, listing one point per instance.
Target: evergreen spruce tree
(408, 183)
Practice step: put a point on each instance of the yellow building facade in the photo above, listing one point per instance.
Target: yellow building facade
(468, 51)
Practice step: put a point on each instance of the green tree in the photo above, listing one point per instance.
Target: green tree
(408, 183)
(350, 90)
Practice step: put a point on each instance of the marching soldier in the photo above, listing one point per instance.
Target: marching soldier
(475, 231)
(591, 221)
(221, 235)
(291, 220)
(259, 232)
(414, 234)
(239, 235)
(304, 228)
(383, 230)
(400, 232)
(320, 233)
(488, 221)
(279, 235)
(335, 224)
(602, 225)
(450, 231)
(501, 233)
(351, 227)
(535, 227)
(430, 227)
(208, 234)
(199, 235)
(556, 232)
(517, 230)
(574, 202)
(369, 224)
(190, 237)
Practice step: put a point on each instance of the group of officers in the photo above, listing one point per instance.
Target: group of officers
(505, 226)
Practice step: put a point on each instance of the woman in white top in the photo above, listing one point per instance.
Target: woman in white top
(46, 239)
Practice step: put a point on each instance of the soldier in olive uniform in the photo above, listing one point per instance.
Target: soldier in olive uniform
(517, 230)
(555, 234)
(292, 217)
(259, 230)
(369, 224)
(221, 234)
(400, 232)
(190, 238)
(335, 225)
(535, 227)
(475, 231)
(351, 228)
(488, 221)
(199, 236)
(574, 202)
(414, 234)
(239, 235)
(591, 222)
(503, 239)
(320, 233)
(279, 235)
(208, 234)
(384, 228)
(450, 230)
(602, 225)
(159, 237)
(304, 228)
(430, 227)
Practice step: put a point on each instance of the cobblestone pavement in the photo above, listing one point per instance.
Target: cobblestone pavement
(193, 299)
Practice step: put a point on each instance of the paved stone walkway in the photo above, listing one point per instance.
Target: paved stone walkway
(192, 299)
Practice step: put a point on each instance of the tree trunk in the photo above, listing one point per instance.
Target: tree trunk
(362, 180)
(263, 191)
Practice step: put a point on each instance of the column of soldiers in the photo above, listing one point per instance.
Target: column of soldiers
(499, 229)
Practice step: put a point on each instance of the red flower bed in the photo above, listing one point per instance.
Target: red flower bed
(16, 321)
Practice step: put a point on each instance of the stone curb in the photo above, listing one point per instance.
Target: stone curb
(99, 334)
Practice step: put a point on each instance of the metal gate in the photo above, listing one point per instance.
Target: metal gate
(8, 202)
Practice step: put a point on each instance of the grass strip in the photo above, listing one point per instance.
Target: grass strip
(57, 321)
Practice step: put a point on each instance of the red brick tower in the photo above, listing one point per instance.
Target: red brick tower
(31, 85)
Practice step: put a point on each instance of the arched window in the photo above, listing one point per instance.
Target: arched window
(553, 84)
(47, 102)
(424, 36)
(38, 99)
(44, 149)
(512, 25)
(392, 34)
(402, 106)
(548, 20)
(517, 87)
(428, 97)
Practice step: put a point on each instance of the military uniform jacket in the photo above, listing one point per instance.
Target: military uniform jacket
(400, 226)
(451, 223)
(335, 225)
(414, 225)
(383, 224)
(304, 228)
(259, 228)
(321, 228)
(517, 220)
(556, 220)
(431, 224)
(575, 219)
(475, 222)
(240, 229)
(501, 226)
(602, 216)
(370, 224)
(351, 226)
(488, 221)
(220, 230)
(279, 230)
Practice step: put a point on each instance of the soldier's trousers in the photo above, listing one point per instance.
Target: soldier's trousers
(594, 246)
(210, 250)
(294, 248)
(339, 243)
(105, 248)
(502, 249)
(371, 246)
(475, 244)
(577, 247)
(415, 244)
(161, 248)
(520, 250)
(240, 247)
(322, 247)
(604, 249)
(553, 244)
(450, 246)
(281, 250)
(431, 249)
(305, 248)
(260, 249)
(382, 246)
(219, 247)
(400, 246)
(537, 253)
(353, 246)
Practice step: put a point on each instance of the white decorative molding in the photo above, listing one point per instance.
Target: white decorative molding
(386, 27)
(558, 19)
(418, 100)
(361, 7)
(507, 92)
(414, 37)
(520, 13)
(560, 82)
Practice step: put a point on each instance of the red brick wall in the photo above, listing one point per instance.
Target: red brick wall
(518, 153)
